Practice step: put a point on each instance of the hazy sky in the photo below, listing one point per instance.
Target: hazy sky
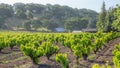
(89, 4)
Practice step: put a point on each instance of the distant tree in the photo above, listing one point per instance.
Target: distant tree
(109, 19)
(1, 22)
(76, 23)
(92, 22)
(36, 23)
(69, 25)
(20, 10)
(101, 24)
(83, 23)
(20, 14)
(19, 6)
(50, 24)
(29, 14)
(35, 8)
(27, 25)
(6, 11)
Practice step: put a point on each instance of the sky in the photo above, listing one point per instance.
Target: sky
(89, 4)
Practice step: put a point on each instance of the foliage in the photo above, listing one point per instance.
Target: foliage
(35, 45)
(31, 51)
(12, 42)
(6, 11)
(76, 23)
(62, 58)
(27, 25)
(36, 23)
(97, 44)
(51, 26)
(101, 24)
(116, 22)
(3, 42)
(49, 49)
(116, 58)
(20, 14)
(83, 48)
(29, 14)
(56, 15)
(20, 10)
(109, 19)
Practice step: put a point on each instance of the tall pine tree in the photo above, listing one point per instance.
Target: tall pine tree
(109, 19)
(116, 22)
(101, 24)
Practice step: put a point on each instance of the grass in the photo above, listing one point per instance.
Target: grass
(26, 65)
(23, 66)
(13, 53)
(9, 61)
(92, 56)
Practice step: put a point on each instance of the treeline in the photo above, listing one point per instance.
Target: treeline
(33, 16)
(48, 16)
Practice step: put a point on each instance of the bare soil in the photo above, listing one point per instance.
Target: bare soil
(16, 59)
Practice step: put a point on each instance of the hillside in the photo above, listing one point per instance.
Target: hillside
(47, 16)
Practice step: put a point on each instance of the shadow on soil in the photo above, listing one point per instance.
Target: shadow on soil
(4, 52)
